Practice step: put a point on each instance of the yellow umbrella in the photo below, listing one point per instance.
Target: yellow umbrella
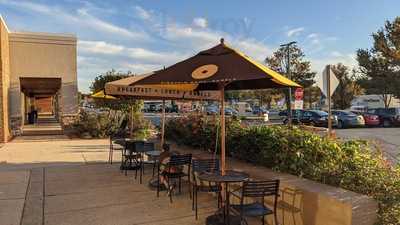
(219, 68)
(102, 95)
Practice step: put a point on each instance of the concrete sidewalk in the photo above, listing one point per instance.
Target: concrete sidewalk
(13, 188)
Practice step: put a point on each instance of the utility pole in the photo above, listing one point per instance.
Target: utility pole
(289, 75)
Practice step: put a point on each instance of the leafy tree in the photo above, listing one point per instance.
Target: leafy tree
(300, 68)
(387, 41)
(128, 106)
(380, 66)
(347, 88)
(101, 80)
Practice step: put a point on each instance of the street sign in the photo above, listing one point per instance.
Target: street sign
(322, 81)
(298, 94)
(328, 82)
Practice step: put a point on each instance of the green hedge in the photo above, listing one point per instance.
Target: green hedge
(351, 165)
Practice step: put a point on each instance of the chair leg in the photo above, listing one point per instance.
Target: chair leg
(189, 186)
(195, 197)
(180, 185)
(263, 220)
(141, 174)
(158, 184)
(170, 194)
(154, 168)
(275, 218)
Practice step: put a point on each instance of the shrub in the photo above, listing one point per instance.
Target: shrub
(352, 165)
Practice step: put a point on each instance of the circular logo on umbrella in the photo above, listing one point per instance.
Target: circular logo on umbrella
(204, 71)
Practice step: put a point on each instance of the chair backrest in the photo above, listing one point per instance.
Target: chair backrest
(260, 188)
(205, 165)
(180, 160)
(134, 146)
(148, 146)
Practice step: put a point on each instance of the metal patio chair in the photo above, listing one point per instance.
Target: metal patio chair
(175, 162)
(257, 191)
(200, 166)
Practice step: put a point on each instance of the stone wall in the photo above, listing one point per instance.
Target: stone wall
(4, 81)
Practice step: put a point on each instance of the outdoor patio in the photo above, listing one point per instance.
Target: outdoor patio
(70, 183)
(100, 194)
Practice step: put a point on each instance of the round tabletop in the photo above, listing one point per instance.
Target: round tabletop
(153, 153)
(230, 176)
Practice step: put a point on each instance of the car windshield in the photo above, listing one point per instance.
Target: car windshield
(320, 113)
(349, 113)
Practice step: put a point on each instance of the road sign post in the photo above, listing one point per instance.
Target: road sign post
(328, 83)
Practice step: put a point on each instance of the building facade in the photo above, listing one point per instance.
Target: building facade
(38, 71)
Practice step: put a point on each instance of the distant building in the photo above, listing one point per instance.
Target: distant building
(372, 101)
(37, 70)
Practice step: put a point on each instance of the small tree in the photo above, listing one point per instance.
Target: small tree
(347, 88)
(380, 65)
(300, 68)
(130, 107)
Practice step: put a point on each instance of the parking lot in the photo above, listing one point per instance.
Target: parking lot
(386, 138)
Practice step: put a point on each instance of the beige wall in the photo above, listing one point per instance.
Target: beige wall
(44, 56)
(4, 81)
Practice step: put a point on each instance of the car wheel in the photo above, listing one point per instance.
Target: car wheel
(386, 123)
(340, 124)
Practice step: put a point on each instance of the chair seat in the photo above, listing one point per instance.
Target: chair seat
(253, 209)
(130, 167)
(208, 188)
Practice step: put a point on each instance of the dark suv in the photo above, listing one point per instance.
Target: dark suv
(388, 117)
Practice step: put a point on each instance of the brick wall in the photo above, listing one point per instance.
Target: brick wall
(44, 104)
(4, 81)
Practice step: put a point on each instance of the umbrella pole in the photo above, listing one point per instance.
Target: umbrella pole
(163, 124)
(223, 130)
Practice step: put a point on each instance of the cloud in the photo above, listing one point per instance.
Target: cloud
(312, 36)
(142, 13)
(101, 25)
(139, 54)
(81, 18)
(294, 32)
(200, 22)
(349, 59)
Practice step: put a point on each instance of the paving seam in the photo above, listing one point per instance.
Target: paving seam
(44, 193)
(26, 196)
(104, 206)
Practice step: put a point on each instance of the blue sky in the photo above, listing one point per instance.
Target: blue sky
(141, 36)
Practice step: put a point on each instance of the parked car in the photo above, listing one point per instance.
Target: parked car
(273, 114)
(296, 114)
(230, 112)
(348, 119)
(212, 110)
(257, 110)
(369, 118)
(317, 118)
(387, 117)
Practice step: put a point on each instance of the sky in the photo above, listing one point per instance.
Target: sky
(145, 35)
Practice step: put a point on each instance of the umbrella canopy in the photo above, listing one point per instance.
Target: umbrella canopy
(219, 68)
(102, 95)
(220, 64)
(127, 87)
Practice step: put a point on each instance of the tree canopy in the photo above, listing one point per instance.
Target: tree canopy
(380, 66)
(347, 89)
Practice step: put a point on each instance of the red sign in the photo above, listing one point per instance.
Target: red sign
(298, 94)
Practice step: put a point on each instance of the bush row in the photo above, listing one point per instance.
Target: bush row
(351, 165)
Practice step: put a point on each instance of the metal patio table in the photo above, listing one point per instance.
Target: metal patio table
(231, 176)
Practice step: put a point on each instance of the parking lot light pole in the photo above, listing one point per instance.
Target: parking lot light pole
(289, 75)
